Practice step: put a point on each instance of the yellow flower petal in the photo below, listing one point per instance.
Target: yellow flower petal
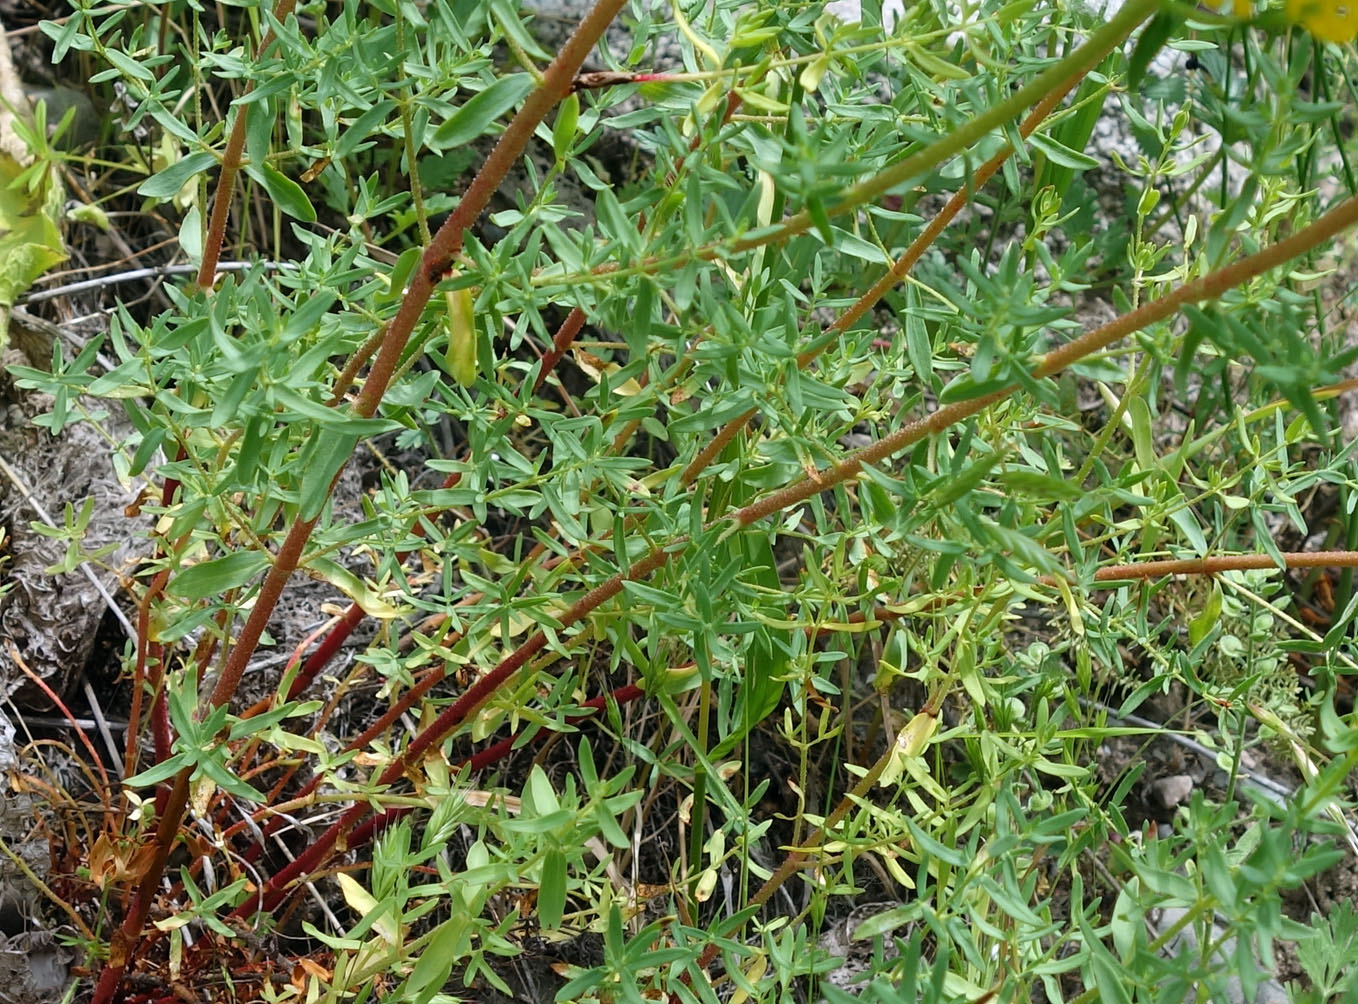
(1327, 20)
(1242, 8)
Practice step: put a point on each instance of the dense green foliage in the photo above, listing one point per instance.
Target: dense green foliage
(945, 595)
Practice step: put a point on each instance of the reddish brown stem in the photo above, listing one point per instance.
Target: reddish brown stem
(162, 734)
(1219, 564)
(1207, 287)
(498, 751)
(336, 637)
(268, 823)
(565, 335)
(561, 343)
(141, 666)
(610, 78)
(451, 718)
(494, 753)
(231, 162)
(917, 165)
(326, 650)
(422, 687)
(354, 615)
(284, 564)
(356, 362)
(123, 944)
(145, 649)
(437, 258)
(893, 275)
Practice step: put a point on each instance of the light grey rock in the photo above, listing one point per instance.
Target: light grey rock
(1171, 792)
(8, 761)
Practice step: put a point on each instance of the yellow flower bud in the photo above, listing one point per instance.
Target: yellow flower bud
(1327, 20)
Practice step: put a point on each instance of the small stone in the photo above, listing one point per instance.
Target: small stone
(1171, 792)
(8, 761)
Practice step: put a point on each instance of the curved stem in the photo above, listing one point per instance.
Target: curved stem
(490, 755)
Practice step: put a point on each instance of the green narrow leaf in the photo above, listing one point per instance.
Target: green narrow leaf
(305, 318)
(539, 793)
(286, 193)
(227, 781)
(1142, 441)
(1152, 40)
(507, 16)
(610, 212)
(328, 417)
(252, 443)
(563, 132)
(639, 332)
(1060, 154)
(214, 577)
(816, 208)
(146, 449)
(1201, 625)
(259, 122)
(918, 346)
(166, 183)
(855, 246)
(552, 890)
(65, 34)
(126, 380)
(162, 771)
(1184, 519)
(127, 65)
(946, 489)
(331, 450)
(400, 275)
(436, 961)
(229, 403)
(471, 120)
(361, 128)
(937, 66)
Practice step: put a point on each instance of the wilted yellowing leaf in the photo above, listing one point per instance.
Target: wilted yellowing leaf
(30, 242)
